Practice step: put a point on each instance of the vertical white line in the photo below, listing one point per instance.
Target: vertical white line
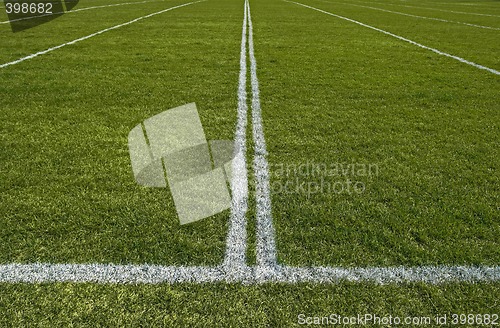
(235, 258)
(266, 248)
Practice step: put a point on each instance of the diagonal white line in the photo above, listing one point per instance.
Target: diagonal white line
(93, 34)
(429, 8)
(417, 16)
(266, 247)
(77, 10)
(439, 52)
(235, 257)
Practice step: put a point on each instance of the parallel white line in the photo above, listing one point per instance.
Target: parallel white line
(156, 274)
(417, 16)
(235, 257)
(491, 70)
(429, 8)
(266, 246)
(77, 10)
(94, 34)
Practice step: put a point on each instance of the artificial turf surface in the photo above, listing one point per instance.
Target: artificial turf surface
(331, 92)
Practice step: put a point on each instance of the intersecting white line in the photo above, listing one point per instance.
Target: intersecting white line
(439, 52)
(268, 269)
(79, 9)
(234, 268)
(415, 16)
(94, 34)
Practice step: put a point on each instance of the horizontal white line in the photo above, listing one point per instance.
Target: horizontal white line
(107, 273)
(381, 275)
(439, 52)
(77, 10)
(417, 16)
(93, 34)
(155, 274)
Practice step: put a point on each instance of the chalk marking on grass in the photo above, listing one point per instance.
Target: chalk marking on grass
(235, 257)
(384, 275)
(43, 52)
(439, 52)
(107, 273)
(417, 16)
(156, 274)
(266, 248)
(77, 10)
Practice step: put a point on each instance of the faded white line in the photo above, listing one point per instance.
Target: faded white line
(266, 247)
(77, 10)
(235, 257)
(429, 8)
(417, 16)
(94, 34)
(439, 52)
(481, 5)
(156, 274)
(476, 5)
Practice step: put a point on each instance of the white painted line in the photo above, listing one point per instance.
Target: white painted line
(93, 34)
(416, 16)
(156, 274)
(107, 273)
(384, 275)
(235, 257)
(266, 247)
(429, 8)
(77, 10)
(491, 70)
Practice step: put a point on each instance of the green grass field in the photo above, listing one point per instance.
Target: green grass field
(332, 93)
